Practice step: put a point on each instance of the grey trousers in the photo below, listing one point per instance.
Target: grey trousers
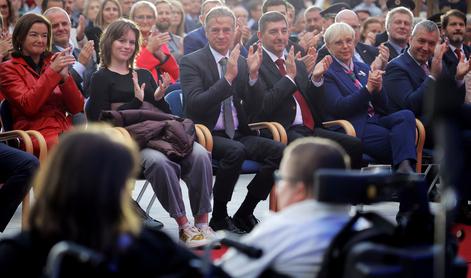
(164, 176)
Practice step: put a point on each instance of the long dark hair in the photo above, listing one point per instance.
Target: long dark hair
(84, 190)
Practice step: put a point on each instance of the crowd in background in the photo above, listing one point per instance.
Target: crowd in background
(298, 63)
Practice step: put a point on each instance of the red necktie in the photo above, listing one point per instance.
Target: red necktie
(458, 53)
(308, 120)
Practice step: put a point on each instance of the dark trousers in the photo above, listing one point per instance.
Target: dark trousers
(230, 155)
(352, 145)
(16, 169)
(391, 138)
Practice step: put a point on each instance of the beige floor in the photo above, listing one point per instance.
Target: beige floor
(386, 209)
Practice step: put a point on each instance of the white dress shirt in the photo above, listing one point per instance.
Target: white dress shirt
(293, 241)
(220, 122)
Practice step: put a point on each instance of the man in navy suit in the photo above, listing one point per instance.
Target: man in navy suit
(219, 88)
(409, 77)
(354, 92)
(288, 86)
(196, 39)
(84, 67)
(454, 28)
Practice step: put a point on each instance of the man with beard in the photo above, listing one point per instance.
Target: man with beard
(174, 42)
(453, 27)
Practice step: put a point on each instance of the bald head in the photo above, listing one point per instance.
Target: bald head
(351, 18)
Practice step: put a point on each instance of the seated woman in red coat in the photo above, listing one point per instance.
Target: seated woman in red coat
(154, 55)
(37, 85)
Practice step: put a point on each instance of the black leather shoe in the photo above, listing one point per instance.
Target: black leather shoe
(147, 220)
(246, 223)
(225, 224)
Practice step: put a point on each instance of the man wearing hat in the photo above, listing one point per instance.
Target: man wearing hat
(329, 13)
(392, 4)
(370, 6)
(363, 53)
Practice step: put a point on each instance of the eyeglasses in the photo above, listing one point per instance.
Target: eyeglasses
(278, 177)
(148, 17)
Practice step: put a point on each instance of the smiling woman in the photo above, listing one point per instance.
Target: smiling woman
(117, 86)
(110, 11)
(155, 54)
(41, 93)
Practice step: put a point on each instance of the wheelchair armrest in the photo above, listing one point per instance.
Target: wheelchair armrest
(419, 143)
(204, 136)
(346, 125)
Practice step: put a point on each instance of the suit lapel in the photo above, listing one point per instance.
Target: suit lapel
(415, 69)
(392, 51)
(213, 68)
(360, 74)
(342, 76)
(271, 67)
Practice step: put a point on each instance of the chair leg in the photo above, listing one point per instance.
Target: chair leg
(25, 209)
(143, 190)
(151, 203)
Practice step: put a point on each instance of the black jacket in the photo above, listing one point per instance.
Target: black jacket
(151, 254)
(204, 91)
(278, 102)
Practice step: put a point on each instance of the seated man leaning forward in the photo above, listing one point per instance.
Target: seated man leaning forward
(294, 240)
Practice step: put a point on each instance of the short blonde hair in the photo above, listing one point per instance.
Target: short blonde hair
(336, 30)
(140, 5)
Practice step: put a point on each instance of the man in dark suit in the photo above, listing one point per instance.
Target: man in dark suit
(219, 87)
(391, 4)
(398, 26)
(16, 169)
(196, 39)
(290, 94)
(454, 27)
(363, 53)
(281, 7)
(84, 67)
(409, 76)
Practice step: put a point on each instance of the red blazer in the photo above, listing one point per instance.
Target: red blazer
(38, 101)
(147, 60)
